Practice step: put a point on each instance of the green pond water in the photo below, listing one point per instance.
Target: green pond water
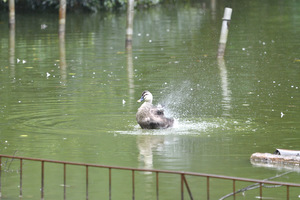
(75, 99)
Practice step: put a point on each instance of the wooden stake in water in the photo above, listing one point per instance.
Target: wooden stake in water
(129, 24)
(62, 16)
(224, 31)
(12, 13)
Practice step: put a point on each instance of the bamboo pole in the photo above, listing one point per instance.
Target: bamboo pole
(129, 24)
(12, 19)
(62, 16)
(224, 31)
(62, 58)
(61, 33)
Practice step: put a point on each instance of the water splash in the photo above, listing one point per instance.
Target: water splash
(197, 126)
(176, 99)
(181, 101)
(181, 127)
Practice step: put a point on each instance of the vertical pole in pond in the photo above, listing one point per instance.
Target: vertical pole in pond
(12, 13)
(62, 17)
(224, 31)
(129, 24)
(61, 33)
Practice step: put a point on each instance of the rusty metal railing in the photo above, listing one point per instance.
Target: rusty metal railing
(184, 183)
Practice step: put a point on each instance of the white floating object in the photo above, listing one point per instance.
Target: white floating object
(48, 74)
(43, 26)
(281, 115)
(123, 101)
(287, 152)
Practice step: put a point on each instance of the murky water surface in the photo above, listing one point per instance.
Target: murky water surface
(75, 99)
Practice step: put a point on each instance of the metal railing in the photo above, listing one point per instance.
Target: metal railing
(184, 184)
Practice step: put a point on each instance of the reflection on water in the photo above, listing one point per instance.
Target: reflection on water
(277, 166)
(62, 60)
(146, 145)
(12, 49)
(226, 92)
(130, 73)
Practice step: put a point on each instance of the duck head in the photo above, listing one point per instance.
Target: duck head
(146, 96)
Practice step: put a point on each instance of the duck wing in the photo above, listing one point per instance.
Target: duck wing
(152, 117)
(157, 110)
(158, 119)
(160, 123)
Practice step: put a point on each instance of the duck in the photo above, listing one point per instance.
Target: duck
(149, 116)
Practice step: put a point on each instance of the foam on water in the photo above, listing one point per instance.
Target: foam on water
(181, 127)
(197, 126)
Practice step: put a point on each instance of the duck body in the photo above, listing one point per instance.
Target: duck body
(149, 116)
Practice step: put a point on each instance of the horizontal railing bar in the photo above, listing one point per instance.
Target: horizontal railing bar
(159, 171)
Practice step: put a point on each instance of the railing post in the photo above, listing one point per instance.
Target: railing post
(42, 184)
(260, 190)
(233, 189)
(187, 187)
(182, 195)
(0, 176)
(287, 192)
(157, 194)
(133, 186)
(87, 182)
(109, 184)
(65, 180)
(21, 174)
(207, 187)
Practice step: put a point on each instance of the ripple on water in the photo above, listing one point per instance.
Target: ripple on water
(39, 122)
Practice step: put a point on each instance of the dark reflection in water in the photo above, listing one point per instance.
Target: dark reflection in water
(62, 60)
(74, 97)
(12, 34)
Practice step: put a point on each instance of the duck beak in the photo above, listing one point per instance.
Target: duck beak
(141, 99)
